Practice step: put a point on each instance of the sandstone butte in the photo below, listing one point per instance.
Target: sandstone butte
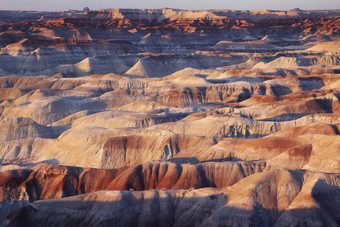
(166, 117)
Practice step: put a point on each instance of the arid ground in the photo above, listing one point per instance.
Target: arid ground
(168, 117)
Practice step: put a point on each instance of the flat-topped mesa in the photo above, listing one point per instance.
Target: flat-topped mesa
(166, 15)
(159, 15)
(129, 14)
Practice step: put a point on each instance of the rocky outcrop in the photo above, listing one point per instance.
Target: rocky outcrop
(74, 44)
(169, 117)
(262, 203)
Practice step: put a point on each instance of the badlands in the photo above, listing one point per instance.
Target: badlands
(166, 117)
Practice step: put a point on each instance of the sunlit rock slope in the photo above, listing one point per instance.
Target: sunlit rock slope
(167, 117)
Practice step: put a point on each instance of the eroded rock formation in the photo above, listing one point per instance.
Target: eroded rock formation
(170, 118)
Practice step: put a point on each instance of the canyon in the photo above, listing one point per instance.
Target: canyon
(168, 117)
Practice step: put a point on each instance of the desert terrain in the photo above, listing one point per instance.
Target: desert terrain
(166, 117)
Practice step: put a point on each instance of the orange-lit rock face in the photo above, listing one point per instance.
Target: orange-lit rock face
(169, 117)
